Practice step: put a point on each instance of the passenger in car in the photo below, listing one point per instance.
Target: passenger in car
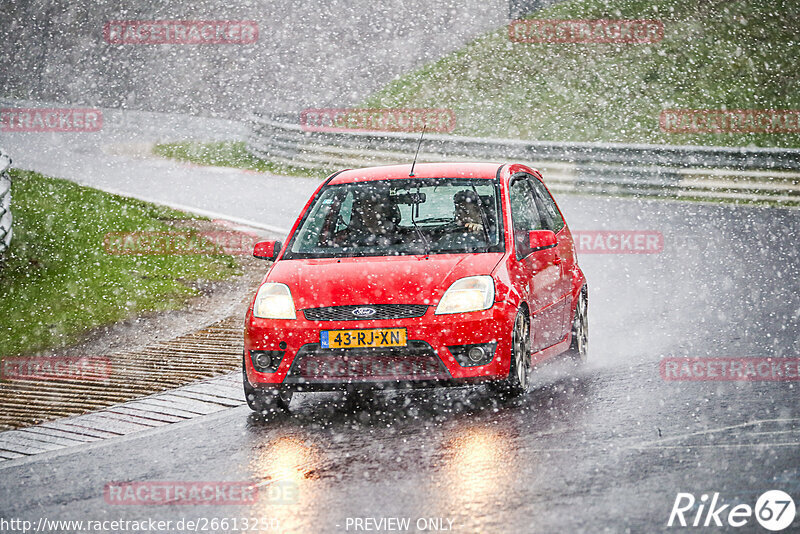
(373, 223)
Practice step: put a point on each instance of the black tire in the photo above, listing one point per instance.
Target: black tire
(519, 376)
(579, 347)
(265, 400)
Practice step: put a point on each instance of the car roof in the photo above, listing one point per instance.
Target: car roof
(421, 170)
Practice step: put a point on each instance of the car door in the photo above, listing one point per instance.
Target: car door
(565, 251)
(537, 274)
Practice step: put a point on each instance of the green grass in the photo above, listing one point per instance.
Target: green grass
(231, 154)
(57, 280)
(715, 54)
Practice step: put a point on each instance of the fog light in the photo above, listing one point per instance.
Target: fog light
(476, 354)
(263, 359)
(266, 361)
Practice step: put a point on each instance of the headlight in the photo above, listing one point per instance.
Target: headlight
(274, 301)
(473, 293)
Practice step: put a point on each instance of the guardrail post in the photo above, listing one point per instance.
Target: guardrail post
(5, 203)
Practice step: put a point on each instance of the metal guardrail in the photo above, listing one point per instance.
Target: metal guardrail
(606, 168)
(5, 203)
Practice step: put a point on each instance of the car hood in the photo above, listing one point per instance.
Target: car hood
(377, 280)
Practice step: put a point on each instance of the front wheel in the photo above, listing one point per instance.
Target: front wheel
(579, 348)
(265, 400)
(519, 376)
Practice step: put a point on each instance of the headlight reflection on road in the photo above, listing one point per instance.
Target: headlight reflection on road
(478, 466)
(284, 468)
(286, 459)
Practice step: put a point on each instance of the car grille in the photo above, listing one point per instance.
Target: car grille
(417, 361)
(382, 311)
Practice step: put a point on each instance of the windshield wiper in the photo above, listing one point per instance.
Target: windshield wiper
(417, 229)
(422, 237)
(484, 218)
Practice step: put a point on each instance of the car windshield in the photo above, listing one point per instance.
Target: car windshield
(401, 217)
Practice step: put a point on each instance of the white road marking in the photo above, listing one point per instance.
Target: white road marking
(720, 429)
(195, 210)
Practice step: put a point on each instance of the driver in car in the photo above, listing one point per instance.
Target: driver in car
(468, 211)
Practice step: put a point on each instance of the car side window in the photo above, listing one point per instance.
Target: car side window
(524, 215)
(551, 218)
(345, 213)
(331, 214)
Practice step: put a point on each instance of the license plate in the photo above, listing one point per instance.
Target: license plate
(354, 339)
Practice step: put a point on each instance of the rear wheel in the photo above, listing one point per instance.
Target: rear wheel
(579, 348)
(518, 381)
(265, 400)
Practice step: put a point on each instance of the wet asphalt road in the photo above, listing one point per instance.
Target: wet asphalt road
(604, 447)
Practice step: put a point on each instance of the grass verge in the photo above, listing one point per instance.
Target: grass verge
(733, 54)
(231, 154)
(57, 281)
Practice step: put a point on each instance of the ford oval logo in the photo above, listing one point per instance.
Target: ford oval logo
(364, 312)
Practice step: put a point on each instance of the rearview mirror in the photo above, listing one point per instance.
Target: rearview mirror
(542, 240)
(267, 250)
(409, 198)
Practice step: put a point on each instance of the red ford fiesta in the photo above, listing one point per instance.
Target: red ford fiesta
(447, 274)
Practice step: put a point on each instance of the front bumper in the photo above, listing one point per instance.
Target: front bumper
(425, 361)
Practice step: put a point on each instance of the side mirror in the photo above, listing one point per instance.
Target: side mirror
(268, 250)
(542, 240)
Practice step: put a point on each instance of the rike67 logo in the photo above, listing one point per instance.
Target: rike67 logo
(774, 510)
